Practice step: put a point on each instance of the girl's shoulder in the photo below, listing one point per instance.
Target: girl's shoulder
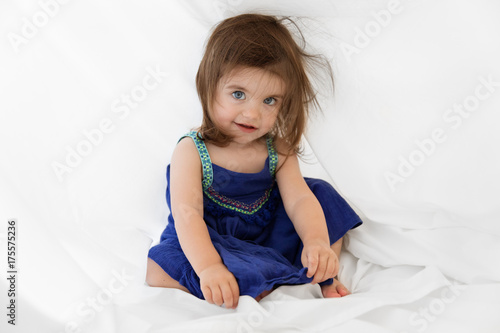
(185, 166)
(192, 143)
(186, 151)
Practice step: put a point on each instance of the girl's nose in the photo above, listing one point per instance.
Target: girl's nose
(252, 111)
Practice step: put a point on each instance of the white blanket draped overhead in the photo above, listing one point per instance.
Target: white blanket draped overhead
(95, 94)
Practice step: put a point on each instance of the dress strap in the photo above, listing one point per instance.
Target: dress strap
(206, 162)
(273, 156)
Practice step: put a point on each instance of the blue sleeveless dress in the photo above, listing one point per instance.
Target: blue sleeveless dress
(249, 227)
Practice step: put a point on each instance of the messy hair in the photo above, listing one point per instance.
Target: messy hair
(260, 41)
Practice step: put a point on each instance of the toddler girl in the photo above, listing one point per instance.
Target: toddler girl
(243, 219)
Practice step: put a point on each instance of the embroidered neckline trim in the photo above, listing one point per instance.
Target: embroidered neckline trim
(221, 200)
(206, 162)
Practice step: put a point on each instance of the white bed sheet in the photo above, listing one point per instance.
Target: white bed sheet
(95, 94)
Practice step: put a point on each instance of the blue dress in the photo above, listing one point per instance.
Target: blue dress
(249, 227)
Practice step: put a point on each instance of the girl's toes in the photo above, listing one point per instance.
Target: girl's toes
(336, 289)
(329, 291)
(342, 291)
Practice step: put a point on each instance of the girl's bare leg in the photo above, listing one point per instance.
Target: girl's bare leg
(156, 277)
(262, 295)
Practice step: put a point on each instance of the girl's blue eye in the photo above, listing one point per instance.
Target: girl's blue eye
(270, 101)
(239, 95)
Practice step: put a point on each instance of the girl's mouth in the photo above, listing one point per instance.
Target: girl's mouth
(246, 128)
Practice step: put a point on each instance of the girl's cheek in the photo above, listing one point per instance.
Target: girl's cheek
(226, 115)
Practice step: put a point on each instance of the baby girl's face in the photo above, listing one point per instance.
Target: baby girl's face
(246, 103)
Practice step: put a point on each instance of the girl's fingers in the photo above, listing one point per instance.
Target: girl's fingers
(236, 292)
(312, 265)
(336, 267)
(322, 274)
(227, 295)
(320, 271)
(333, 267)
(217, 296)
(327, 267)
(207, 293)
(220, 287)
(330, 270)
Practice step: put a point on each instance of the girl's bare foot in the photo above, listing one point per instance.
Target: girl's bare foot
(336, 289)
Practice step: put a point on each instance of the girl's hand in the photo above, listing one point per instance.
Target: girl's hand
(219, 286)
(321, 261)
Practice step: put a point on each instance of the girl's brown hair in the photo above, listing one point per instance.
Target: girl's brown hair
(260, 41)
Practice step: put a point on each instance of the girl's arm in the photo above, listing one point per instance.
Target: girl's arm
(217, 283)
(307, 216)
